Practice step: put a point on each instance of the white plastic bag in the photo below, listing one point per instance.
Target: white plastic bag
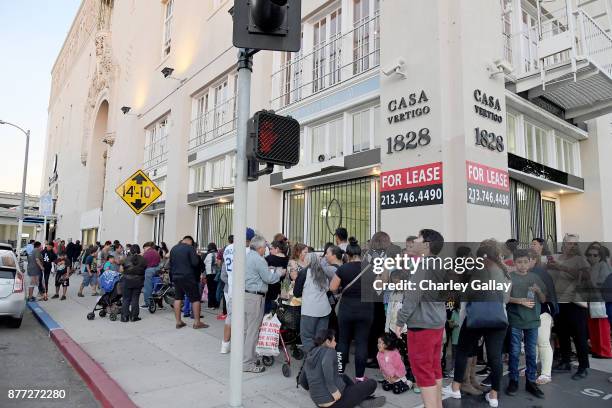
(267, 343)
(597, 310)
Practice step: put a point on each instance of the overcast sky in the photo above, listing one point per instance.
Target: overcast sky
(32, 33)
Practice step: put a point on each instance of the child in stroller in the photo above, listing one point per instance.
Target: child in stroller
(110, 301)
(163, 291)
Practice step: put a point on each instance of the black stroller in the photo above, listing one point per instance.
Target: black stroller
(289, 316)
(110, 301)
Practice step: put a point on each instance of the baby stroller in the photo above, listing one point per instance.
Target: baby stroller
(163, 291)
(289, 317)
(110, 301)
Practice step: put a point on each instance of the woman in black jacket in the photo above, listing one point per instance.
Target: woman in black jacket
(133, 281)
(327, 388)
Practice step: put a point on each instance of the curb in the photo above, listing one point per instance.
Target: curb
(104, 388)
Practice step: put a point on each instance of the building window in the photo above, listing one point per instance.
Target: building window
(214, 224)
(312, 215)
(158, 228)
(327, 141)
(214, 113)
(168, 11)
(215, 174)
(156, 148)
(366, 38)
(529, 41)
(326, 61)
(565, 155)
(361, 131)
(536, 143)
(511, 133)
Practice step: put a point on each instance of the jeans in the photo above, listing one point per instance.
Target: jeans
(531, 339)
(493, 341)
(309, 327)
(354, 322)
(148, 283)
(545, 351)
(355, 393)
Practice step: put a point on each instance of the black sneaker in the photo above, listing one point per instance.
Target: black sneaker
(400, 387)
(562, 368)
(533, 389)
(484, 371)
(512, 387)
(55, 296)
(135, 319)
(580, 374)
(63, 298)
(386, 385)
(486, 382)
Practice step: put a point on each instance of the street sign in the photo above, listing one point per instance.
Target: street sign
(138, 191)
(46, 205)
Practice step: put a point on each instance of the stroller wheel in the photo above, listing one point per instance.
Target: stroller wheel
(113, 317)
(152, 306)
(267, 360)
(297, 353)
(102, 313)
(91, 316)
(287, 370)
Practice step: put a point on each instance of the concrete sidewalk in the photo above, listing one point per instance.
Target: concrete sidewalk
(158, 365)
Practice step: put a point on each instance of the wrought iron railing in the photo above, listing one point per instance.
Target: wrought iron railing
(156, 152)
(213, 124)
(333, 61)
(594, 42)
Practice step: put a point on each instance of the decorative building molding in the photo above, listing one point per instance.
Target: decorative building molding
(105, 74)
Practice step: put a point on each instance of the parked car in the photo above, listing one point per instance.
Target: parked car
(12, 287)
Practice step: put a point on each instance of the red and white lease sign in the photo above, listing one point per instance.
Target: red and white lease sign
(412, 186)
(487, 186)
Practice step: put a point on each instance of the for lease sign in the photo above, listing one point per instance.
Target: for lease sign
(412, 186)
(487, 186)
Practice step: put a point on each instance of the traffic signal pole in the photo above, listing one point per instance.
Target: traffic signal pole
(245, 67)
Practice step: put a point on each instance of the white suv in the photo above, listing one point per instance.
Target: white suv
(12, 287)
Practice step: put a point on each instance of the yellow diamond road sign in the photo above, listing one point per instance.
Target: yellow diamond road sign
(138, 191)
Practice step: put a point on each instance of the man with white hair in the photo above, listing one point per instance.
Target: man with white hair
(257, 278)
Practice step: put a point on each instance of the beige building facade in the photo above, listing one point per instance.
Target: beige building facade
(479, 118)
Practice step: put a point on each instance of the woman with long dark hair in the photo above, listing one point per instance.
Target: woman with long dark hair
(485, 316)
(312, 285)
(354, 316)
(133, 281)
(569, 270)
(210, 267)
(599, 327)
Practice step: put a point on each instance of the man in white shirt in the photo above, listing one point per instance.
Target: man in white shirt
(227, 269)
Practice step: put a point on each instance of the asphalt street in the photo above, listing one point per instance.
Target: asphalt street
(29, 360)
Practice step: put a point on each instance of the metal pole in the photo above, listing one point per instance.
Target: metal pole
(44, 238)
(245, 66)
(23, 193)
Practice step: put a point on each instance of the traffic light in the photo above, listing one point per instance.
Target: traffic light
(273, 139)
(267, 24)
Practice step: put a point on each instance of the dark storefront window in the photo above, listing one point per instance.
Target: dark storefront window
(526, 212)
(313, 214)
(214, 224)
(549, 218)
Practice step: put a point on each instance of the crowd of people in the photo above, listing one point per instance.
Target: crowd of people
(414, 338)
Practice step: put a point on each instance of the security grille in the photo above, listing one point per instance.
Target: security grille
(312, 215)
(214, 224)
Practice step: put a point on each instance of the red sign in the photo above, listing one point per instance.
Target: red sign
(487, 176)
(411, 177)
